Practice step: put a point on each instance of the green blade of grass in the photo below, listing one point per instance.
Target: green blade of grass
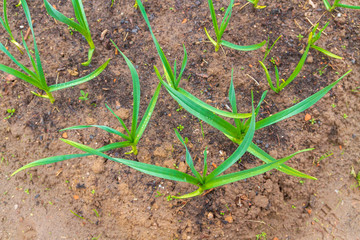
(205, 164)
(152, 170)
(326, 52)
(327, 4)
(119, 119)
(158, 48)
(188, 158)
(214, 20)
(20, 75)
(147, 115)
(296, 70)
(55, 159)
(61, 17)
(348, 6)
(25, 69)
(232, 99)
(105, 128)
(40, 70)
(237, 176)
(226, 19)
(268, 78)
(86, 78)
(239, 151)
(183, 65)
(263, 156)
(298, 108)
(136, 92)
(211, 108)
(242, 48)
(202, 113)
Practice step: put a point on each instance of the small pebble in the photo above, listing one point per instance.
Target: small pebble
(16, 206)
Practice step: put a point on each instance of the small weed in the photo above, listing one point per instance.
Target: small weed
(176, 166)
(222, 213)
(158, 194)
(326, 155)
(356, 176)
(83, 96)
(222, 9)
(261, 236)
(169, 198)
(333, 105)
(293, 206)
(27, 191)
(295, 100)
(356, 90)
(171, 9)
(96, 213)
(312, 121)
(343, 46)
(345, 116)
(300, 37)
(11, 112)
(93, 191)
(179, 109)
(301, 181)
(180, 127)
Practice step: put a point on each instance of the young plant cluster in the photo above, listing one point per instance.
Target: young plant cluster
(240, 129)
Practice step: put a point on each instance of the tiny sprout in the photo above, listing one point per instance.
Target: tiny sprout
(312, 121)
(222, 9)
(293, 206)
(345, 116)
(301, 181)
(180, 127)
(11, 112)
(300, 37)
(83, 96)
(333, 105)
(93, 191)
(169, 198)
(158, 194)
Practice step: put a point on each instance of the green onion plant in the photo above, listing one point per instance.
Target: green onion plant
(338, 4)
(255, 3)
(132, 136)
(36, 77)
(313, 37)
(82, 26)
(6, 25)
(220, 31)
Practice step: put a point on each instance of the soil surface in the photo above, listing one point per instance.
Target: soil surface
(91, 198)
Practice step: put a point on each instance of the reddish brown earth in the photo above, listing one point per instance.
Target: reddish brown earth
(37, 204)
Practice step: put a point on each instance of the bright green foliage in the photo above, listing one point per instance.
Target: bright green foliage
(255, 3)
(313, 37)
(133, 134)
(338, 4)
(82, 27)
(6, 25)
(84, 96)
(220, 31)
(11, 112)
(37, 76)
(242, 128)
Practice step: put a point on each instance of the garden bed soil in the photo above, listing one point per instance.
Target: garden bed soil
(91, 198)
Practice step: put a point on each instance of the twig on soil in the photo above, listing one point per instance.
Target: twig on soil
(28, 31)
(127, 33)
(253, 79)
(313, 24)
(243, 6)
(297, 24)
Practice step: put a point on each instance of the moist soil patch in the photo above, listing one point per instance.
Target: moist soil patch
(91, 198)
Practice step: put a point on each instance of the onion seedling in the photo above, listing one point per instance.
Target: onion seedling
(82, 27)
(220, 31)
(6, 25)
(338, 4)
(313, 37)
(133, 135)
(209, 114)
(255, 3)
(37, 76)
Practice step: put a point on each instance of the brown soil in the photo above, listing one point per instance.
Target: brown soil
(37, 204)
